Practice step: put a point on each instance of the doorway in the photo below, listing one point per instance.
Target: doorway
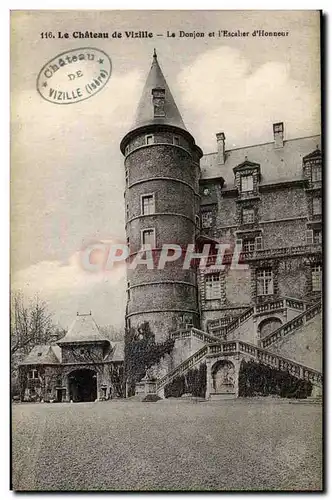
(82, 385)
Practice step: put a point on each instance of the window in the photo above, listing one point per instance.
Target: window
(316, 173)
(149, 139)
(187, 320)
(313, 236)
(212, 286)
(197, 222)
(127, 211)
(316, 206)
(207, 219)
(249, 245)
(264, 282)
(317, 237)
(309, 237)
(247, 183)
(33, 374)
(127, 150)
(127, 177)
(176, 140)
(128, 241)
(248, 215)
(128, 290)
(316, 278)
(148, 237)
(147, 204)
(259, 242)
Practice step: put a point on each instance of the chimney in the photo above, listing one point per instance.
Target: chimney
(158, 100)
(221, 148)
(278, 134)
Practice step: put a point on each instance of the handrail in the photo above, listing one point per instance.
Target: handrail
(281, 252)
(291, 325)
(182, 367)
(281, 303)
(200, 334)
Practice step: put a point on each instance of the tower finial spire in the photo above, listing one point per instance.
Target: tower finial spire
(154, 54)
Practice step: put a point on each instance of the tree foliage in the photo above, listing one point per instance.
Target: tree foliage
(193, 382)
(256, 379)
(141, 353)
(31, 323)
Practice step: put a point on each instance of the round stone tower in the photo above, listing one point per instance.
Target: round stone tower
(162, 206)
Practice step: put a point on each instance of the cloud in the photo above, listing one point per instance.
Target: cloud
(67, 287)
(221, 91)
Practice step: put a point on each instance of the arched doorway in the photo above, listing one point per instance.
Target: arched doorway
(223, 377)
(268, 326)
(82, 385)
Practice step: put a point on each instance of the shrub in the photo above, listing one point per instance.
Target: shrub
(193, 382)
(256, 379)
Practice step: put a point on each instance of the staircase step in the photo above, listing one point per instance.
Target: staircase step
(217, 396)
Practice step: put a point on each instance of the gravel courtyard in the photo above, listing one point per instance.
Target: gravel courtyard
(169, 445)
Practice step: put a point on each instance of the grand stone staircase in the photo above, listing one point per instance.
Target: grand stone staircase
(218, 328)
(215, 346)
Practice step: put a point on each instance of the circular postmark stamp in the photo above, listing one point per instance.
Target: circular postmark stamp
(74, 75)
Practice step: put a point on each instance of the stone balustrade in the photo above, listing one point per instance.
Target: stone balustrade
(292, 325)
(238, 347)
(217, 329)
(269, 253)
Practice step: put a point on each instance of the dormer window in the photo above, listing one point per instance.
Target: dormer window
(247, 183)
(158, 99)
(176, 140)
(312, 167)
(247, 178)
(316, 173)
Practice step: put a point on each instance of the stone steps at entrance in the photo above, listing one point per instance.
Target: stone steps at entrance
(217, 396)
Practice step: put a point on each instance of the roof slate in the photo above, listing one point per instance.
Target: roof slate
(145, 110)
(42, 355)
(83, 329)
(277, 164)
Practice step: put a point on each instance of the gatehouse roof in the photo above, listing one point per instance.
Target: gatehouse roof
(83, 329)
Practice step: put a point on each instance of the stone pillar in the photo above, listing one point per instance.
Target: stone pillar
(237, 364)
(208, 379)
(66, 383)
(256, 333)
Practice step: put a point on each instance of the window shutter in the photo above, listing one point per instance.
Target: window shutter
(259, 243)
(309, 237)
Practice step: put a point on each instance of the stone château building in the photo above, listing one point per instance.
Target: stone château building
(84, 365)
(264, 202)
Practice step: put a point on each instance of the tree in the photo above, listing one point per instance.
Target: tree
(141, 353)
(31, 323)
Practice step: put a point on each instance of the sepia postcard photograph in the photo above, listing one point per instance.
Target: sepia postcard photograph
(166, 271)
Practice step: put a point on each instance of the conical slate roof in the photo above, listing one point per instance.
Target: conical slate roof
(145, 111)
(83, 329)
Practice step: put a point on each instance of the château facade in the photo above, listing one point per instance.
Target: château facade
(263, 203)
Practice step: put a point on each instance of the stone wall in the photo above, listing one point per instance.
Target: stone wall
(304, 344)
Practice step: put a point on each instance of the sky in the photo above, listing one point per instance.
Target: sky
(67, 176)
